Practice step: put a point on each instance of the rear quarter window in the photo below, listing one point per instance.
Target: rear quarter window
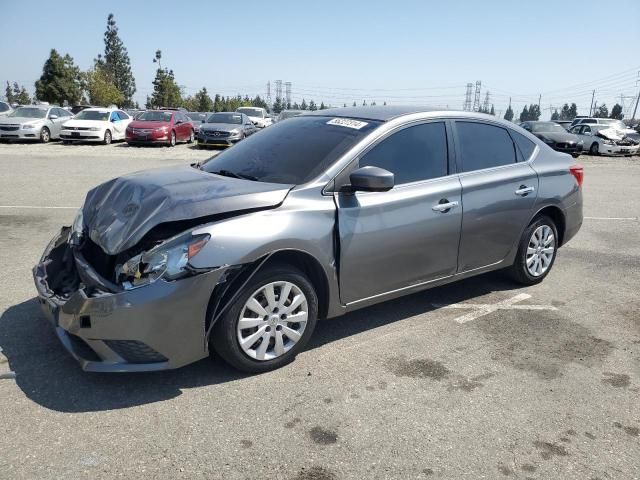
(523, 144)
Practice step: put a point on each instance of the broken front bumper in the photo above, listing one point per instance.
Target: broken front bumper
(155, 327)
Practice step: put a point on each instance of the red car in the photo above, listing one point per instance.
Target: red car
(160, 126)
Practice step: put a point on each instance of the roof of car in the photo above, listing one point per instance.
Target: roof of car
(381, 113)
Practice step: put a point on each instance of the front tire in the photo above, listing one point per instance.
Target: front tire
(172, 139)
(536, 252)
(270, 321)
(107, 137)
(45, 135)
(594, 149)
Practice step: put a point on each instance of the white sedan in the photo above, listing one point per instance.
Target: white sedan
(96, 125)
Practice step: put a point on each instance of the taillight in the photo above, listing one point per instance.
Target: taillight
(578, 172)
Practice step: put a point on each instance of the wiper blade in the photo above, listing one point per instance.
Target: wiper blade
(229, 173)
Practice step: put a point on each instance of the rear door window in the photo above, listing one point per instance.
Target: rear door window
(483, 146)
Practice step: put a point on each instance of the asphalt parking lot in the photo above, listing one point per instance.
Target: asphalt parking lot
(480, 379)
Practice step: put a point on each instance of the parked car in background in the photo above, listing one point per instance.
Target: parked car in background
(283, 115)
(314, 217)
(605, 140)
(76, 109)
(566, 124)
(34, 122)
(555, 136)
(5, 109)
(225, 129)
(96, 124)
(598, 121)
(198, 118)
(257, 115)
(165, 127)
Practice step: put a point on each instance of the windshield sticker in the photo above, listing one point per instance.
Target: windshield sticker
(347, 122)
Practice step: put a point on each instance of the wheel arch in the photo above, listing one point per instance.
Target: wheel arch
(557, 215)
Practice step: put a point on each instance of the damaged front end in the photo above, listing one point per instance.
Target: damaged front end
(617, 142)
(107, 321)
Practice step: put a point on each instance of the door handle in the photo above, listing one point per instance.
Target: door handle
(444, 207)
(524, 190)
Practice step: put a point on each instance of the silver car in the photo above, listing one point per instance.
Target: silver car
(34, 122)
(5, 109)
(314, 217)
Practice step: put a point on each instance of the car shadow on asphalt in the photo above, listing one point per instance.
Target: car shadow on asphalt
(48, 375)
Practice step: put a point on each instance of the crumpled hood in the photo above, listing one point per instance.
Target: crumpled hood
(610, 133)
(118, 213)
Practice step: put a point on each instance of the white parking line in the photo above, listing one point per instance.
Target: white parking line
(611, 218)
(482, 309)
(37, 207)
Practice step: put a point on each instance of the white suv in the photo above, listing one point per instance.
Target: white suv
(258, 116)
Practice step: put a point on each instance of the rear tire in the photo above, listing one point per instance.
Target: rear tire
(225, 336)
(536, 252)
(107, 137)
(192, 137)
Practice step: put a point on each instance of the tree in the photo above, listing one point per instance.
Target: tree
(17, 94)
(202, 101)
(277, 105)
(534, 112)
(322, 106)
(166, 92)
(296, 106)
(524, 115)
(116, 65)
(508, 115)
(303, 105)
(492, 111)
(385, 104)
(555, 115)
(61, 80)
(313, 106)
(616, 112)
(101, 89)
(354, 103)
(602, 111)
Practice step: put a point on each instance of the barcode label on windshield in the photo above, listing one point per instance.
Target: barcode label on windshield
(347, 122)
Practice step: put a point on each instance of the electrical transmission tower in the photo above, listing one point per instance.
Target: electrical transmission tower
(467, 98)
(476, 98)
(269, 94)
(287, 89)
(487, 99)
(279, 89)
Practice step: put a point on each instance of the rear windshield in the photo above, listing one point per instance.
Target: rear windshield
(225, 118)
(292, 152)
(547, 127)
(154, 116)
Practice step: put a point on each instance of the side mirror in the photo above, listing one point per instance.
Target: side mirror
(53, 117)
(371, 179)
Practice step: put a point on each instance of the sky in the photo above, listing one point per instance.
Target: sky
(402, 52)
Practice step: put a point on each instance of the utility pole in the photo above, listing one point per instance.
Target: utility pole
(539, 100)
(269, 94)
(476, 97)
(633, 117)
(593, 95)
(287, 87)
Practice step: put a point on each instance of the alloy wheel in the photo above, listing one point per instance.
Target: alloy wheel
(540, 251)
(44, 135)
(272, 320)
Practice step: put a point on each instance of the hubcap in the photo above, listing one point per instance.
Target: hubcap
(540, 250)
(272, 321)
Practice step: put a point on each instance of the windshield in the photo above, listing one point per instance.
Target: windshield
(617, 124)
(292, 152)
(252, 112)
(92, 115)
(4, 107)
(225, 118)
(154, 116)
(29, 112)
(198, 117)
(547, 127)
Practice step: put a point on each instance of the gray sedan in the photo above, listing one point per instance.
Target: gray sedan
(34, 122)
(314, 217)
(223, 129)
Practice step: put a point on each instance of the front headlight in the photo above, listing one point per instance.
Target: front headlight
(94, 129)
(28, 126)
(168, 260)
(548, 141)
(233, 133)
(161, 129)
(607, 142)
